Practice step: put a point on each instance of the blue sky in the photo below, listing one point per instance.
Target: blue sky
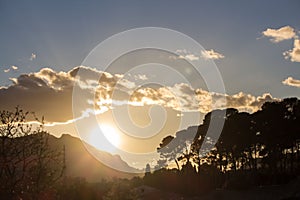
(61, 34)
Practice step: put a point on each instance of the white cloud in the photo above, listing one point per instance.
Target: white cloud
(190, 57)
(293, 54)
(14, 67)
(142, 77)
(211, 54)
(206, 54)
(291, 82)
(32, 57)
(184, 54)
(285, 33)
(277, 35)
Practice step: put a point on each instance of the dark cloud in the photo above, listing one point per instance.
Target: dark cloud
(34, 94)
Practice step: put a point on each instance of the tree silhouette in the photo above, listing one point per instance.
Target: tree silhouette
(178, 148)
(28, 166)
(258, 148)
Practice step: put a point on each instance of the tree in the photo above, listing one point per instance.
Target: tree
(168, 150)
(178, 148)
(147, 170)
(28, 165)
(253, 149)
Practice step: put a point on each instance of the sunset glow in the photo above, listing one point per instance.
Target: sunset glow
(149, 99)
(107, 139)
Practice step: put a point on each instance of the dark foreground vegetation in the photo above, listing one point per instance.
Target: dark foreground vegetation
(28, 166)
(254, 150)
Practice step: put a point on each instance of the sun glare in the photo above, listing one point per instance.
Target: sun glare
(107, 139)
(111, 135)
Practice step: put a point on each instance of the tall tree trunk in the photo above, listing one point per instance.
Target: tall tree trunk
(285, 161)
(254, 159)
(292, 159)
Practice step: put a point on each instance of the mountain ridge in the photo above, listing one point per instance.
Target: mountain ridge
(80, 163)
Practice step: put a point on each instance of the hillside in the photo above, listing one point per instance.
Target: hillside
(80, 163)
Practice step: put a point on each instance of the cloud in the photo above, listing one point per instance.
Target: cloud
(184, 54)
(285, 33)
(14, 67)
(248, 103)
(206, 54)
(241, 101)
(293, 54)
(181, 51)
(278, 35)
(190, 57)
(211, 54)
(48, 92)
(142, 77)
(32, 57)
(291, 82)
(182, 97)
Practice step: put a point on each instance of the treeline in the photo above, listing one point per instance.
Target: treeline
(261, 148)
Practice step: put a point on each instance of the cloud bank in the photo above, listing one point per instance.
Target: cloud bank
(49, 93)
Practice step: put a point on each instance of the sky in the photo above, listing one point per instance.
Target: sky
(254, 45)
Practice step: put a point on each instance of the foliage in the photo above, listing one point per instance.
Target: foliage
(28, 167)
(253, 149)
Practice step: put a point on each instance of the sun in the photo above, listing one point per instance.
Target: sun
(111, 135)
(105, 137)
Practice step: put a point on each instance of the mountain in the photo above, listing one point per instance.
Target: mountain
(80, 163)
